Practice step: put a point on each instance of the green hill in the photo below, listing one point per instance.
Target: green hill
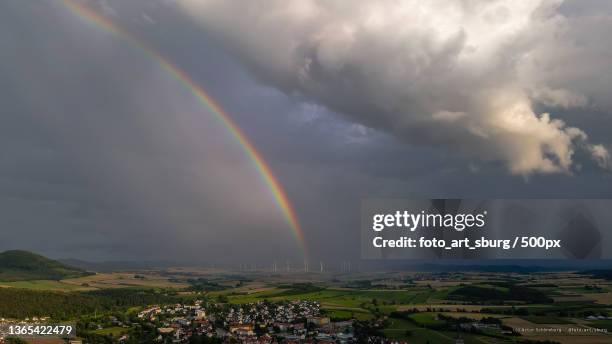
(19, 265)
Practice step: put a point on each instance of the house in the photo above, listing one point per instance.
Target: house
(248, 328)
(318, 321)
(200, 314)
(165, 330)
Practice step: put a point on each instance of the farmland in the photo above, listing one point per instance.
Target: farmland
(416, 307)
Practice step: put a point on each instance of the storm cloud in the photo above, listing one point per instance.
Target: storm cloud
(470, 76)
(105, 155)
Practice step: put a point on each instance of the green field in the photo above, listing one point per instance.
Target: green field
(607, 324)
(405, 330)
(346, 298)
(426, 319)
(42, 285)
(345, 313)
(546, 320)
(113, 331)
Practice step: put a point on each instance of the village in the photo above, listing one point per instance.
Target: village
(260, 322)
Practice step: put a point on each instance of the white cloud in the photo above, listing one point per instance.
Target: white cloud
(601, 155)
(466, 74)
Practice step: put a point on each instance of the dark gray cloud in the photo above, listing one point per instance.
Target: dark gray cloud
(104, 156)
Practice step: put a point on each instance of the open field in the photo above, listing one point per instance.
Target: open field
(474, 316)
(114, 331)
(332, 297)
(348, 313)
(123, 279)
(601, 298)
(407, 331)
(44, 285)
(100, 281)
(547, 320)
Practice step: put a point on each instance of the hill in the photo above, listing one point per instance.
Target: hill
(114, 266)
(19, 265)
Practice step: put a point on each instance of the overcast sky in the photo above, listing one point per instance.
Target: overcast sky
(104, 156)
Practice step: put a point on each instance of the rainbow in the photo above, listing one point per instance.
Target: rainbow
(273, 185)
